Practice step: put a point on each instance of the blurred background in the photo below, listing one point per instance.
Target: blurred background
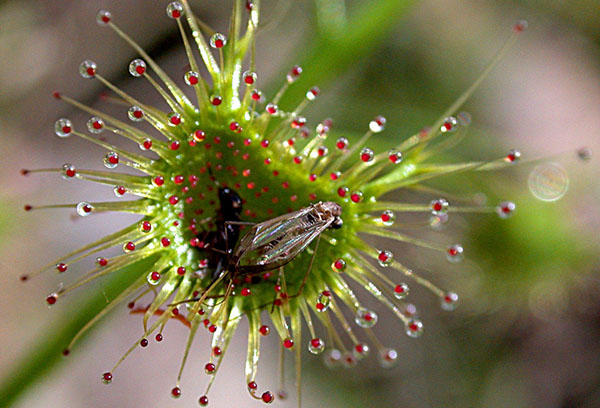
(527, 333)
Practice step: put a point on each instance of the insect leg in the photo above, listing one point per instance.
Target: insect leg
(239, 223)
(312, 259)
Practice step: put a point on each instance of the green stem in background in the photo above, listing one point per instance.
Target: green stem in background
(331, 16)
(331, 56)
(47, 353)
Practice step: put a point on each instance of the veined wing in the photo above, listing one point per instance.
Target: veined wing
(276, 242)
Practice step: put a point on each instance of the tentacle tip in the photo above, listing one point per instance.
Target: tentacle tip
(267, 397)
(25, 172)
(176, 392)
(57, 95)
(66, 352)
(28, 207)
(24, 278)
(520, 26)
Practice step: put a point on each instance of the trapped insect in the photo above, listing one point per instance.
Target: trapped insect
(270, 244)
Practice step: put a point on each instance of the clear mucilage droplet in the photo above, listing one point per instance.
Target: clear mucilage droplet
(87, 69)
(111, 160)
(401, 291)
(84, 209)
(191, 78)
(388, 357)
(378, 124)
(218, 40)
(414, 328)
(135, 114)
(450, 125)
(454, 253)
(439, 206)
(332, 358)
(323, 302)
(174, 10)
(103, 17)
(385, 258)
(316, 346)
(449, 301)
(63, 128)
(365, 318)
(388, 217)
(506, 209)
(137, 67)
(395, 156)
(95, 125)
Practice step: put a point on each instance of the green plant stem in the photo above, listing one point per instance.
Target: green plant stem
(44, 356)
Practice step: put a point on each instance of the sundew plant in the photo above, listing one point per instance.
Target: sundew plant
(218, 132)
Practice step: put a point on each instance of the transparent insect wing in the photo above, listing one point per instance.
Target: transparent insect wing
(275, 242)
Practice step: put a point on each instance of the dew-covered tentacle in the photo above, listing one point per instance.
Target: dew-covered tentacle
(122, 129)
(173, 88)
(106, 309)
(296, 324)
(193, 77)
(205, 53)
(188, 345)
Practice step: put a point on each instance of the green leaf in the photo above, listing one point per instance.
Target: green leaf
(47, 354)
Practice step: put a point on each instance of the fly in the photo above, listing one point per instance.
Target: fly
(271, 244)
(274, 243)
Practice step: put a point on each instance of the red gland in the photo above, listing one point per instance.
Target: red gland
(316, 343)
(203, 400)
(246, 292)
(176, 392)
(216, 351)
(61, 267)
(159, 180)
(181, 271)
(147, 143)
(51, 299)
(165, 241)
(155, 276)
(210, 368)
(130, 246)
(121, 190)
(264, 330)
(146, 226)
(212, 328)
(178, 179)
(102, 261)
(288, 343)
(383, 256)
(159, 337)
(173, 200)
(107, 378)
(252, 385)
(174, 145)
(144, 342)
(264, 143)
(267, 397)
